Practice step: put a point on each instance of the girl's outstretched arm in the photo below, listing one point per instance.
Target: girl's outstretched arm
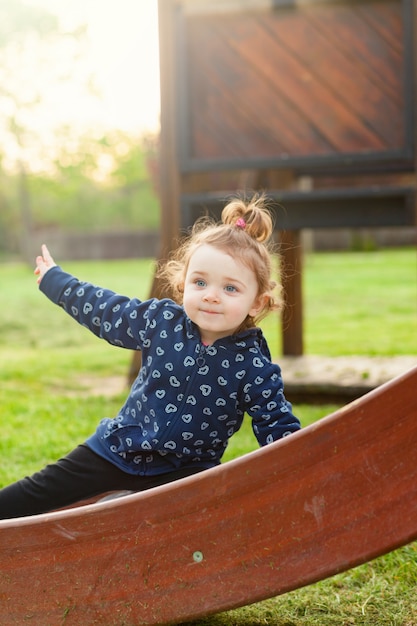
(44, 262)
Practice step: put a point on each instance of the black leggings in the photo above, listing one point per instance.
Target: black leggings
(79, 476)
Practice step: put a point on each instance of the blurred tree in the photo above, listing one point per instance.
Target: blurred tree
(36, 57)
(98, 183)
(59, 175)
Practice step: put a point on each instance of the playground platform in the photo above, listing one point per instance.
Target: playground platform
(310, 378)
(340, 379)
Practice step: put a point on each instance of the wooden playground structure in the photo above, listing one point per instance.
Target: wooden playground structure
(312, 101)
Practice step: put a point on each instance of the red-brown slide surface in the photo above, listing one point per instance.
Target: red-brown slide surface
(324, 500)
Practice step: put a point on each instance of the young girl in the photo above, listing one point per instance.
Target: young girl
(205, 364)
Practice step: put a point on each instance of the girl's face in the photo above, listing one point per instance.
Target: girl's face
(219, 293)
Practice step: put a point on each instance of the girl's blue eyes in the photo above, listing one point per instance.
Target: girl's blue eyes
(202, 283)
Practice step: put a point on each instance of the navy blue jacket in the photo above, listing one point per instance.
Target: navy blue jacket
(188, 399)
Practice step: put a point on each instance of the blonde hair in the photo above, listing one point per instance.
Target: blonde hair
(244, 232)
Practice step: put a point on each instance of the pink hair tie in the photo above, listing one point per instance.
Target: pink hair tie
(240, 223)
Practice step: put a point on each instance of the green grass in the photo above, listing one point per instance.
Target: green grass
(368, 298)
(55, 377)
(357, 303)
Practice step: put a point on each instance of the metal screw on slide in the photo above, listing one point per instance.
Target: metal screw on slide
(198, 556)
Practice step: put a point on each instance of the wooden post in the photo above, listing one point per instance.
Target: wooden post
(292, 316)
(291, 272)
(169, 176)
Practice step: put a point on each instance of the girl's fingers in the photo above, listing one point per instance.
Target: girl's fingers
(46, 255)
(44, 262)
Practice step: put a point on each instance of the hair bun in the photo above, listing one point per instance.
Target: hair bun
(251, 216)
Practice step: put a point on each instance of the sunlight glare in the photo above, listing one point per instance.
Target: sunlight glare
(124, 58)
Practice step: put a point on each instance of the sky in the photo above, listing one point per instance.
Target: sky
(123, 56)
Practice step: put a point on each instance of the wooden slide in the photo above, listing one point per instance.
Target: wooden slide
(324, 500)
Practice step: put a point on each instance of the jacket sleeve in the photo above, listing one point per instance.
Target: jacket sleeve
(115, 318)
(271, 413)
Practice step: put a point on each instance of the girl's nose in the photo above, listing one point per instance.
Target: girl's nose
(211, 295)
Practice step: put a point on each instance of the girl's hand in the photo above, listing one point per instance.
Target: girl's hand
(44, 263)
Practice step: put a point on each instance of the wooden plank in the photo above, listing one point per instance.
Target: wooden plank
(301, 73)
(328, 116)
(377, 54)
(333, 67)
(321, 79)
(226, 117)
(386, 20)
(337, 207)
(242, 100)
(324, 500)
(253, 111)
